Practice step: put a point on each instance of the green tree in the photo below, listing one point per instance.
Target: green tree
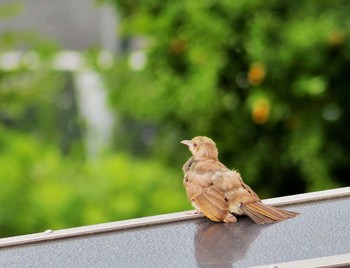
(266, 80)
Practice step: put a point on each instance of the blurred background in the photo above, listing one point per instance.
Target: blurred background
(95, 97)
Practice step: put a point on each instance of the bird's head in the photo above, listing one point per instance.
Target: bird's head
(202, 147)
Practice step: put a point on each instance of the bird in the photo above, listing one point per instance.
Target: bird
(220, 193)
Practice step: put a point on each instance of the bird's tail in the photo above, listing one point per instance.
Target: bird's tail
(261, 213)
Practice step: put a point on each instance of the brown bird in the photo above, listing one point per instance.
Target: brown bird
(220, 193)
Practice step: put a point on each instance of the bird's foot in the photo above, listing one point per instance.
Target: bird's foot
(230, 218)
(194, 212)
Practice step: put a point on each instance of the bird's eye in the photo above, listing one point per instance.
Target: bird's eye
(195, 144)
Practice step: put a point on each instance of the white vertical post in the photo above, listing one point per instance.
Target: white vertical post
(93, 107)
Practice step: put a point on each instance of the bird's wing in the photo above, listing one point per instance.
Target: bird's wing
(207, 198)
(193, 190)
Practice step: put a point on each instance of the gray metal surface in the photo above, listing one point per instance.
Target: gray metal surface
(321, 230)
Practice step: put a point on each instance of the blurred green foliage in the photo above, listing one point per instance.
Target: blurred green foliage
(41, 189)
(46, 179)
(268, 81)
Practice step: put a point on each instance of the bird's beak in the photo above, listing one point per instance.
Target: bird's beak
(187, 143)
